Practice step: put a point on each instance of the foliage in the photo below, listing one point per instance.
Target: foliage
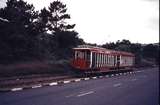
(25, 35)
(65, 41)
(63, 37)
(141, 52)
(58, 16)
(18, 36)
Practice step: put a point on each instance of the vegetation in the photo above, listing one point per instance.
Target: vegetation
(24, 37)
(45, 35)
(145, 54)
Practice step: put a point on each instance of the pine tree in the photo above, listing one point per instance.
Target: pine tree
(58, 16)
(18, 36)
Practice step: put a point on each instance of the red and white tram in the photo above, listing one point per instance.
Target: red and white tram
(95, 59)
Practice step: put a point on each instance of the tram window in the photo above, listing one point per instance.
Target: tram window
(82, 54)
(107, 59)
(88, 55)
(76, 54)
(102, 59)
(79, 54)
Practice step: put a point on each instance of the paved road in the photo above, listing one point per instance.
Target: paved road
(141, 88)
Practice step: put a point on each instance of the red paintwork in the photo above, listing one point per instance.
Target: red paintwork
(106, 51)
(83, 65)
(80, 64)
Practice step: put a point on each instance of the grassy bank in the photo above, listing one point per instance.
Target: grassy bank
(35, 68)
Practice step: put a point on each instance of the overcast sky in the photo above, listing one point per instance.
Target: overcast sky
(101, 21)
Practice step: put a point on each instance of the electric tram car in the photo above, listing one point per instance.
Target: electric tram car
(96, 59)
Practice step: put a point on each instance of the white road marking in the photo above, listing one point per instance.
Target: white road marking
(107, 76)
(66, 81)
(17, 79)
(83, 91)
(53, 83)
(86, 78)
(78, 80)
(116, 85)
(69, 95)
(94, 77)
(83, 94)
(16, 89)
(133, 79)
(36, 86)
(100, 76)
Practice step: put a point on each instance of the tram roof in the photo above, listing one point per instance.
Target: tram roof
(101, 50)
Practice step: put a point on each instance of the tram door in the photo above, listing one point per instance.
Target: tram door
(118, 61)
(93, 60)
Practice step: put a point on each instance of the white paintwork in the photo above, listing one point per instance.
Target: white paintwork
(66, 81)
(36, 86)
(86, 78)
(117, 85)
(16, 89)
(94, 77)
(77, 80)
(53, 83)
(91, 60)
(83, 94)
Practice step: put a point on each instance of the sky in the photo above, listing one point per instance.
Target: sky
(101, 21)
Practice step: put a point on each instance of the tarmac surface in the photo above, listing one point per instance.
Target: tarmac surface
(140, 88)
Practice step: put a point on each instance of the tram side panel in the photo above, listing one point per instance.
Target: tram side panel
(103, 61)
(126, 61)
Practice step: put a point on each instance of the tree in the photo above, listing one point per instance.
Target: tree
(24, 36)
(58, 16)
(42, 24)
(65, 41)
(136, 49)
(111, 45)
(18, 36)
(124, 41)
(151, 52)
(63, 37)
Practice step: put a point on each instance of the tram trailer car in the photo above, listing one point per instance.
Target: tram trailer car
(92, 59)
